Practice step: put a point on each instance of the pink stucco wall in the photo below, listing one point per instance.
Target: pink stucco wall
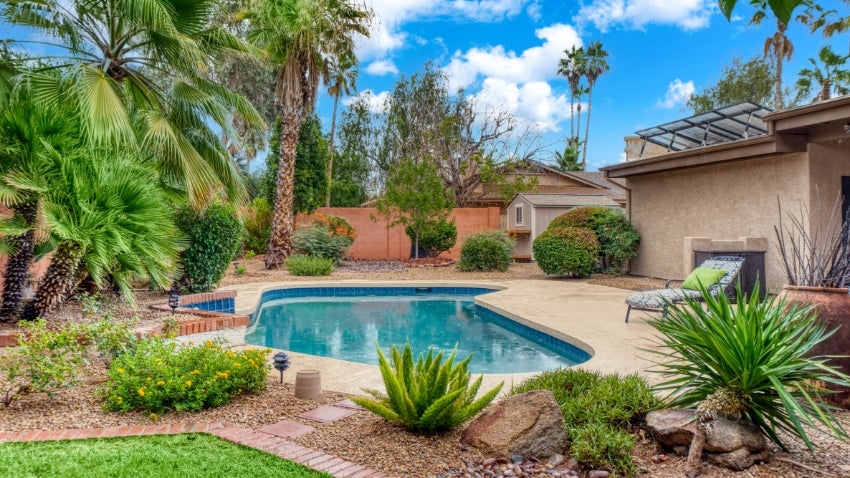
(376, 241)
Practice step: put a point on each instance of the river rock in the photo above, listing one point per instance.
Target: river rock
(530, 424)
(737, 460)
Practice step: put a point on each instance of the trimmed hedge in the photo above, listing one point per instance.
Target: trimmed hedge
(214, 237)
(435, 237)
(618, 239)
(566, 250)
(486, 251)
(304, 265)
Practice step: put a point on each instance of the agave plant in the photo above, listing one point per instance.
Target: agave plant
(752, 360)
(429, 396)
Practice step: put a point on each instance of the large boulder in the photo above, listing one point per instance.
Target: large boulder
(675, 427)
(530, 424)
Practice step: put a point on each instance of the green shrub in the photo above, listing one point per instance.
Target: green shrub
(618, 239)
(435, 236)
(241, 269)
(486, 251)
(567, 250)
(161, 375)
(112, 338)
(596, 445)
(258, 226)
(428, 396)
(214, 237)
(44, 361)
(303, 265)
(599, 409)
(754, 357)
(325, 236)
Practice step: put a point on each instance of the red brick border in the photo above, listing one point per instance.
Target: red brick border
(258, 440)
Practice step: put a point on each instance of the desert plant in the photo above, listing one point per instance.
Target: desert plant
(162, 375)
(751, 360)
(816, 256)
(435, 235)
(170, 327)
(304, 265)
(214, 237)
(44, 361)
(486, 251)
(241, 269)
(258, 226)
(430, 395)
(318, 241)
(112, 338)
(566, 250)
(596, 445)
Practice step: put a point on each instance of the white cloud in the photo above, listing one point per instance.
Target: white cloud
(533, 10)
(381, 68)
(376, 103)
(686, 14)
(532, 103)
(677, 93)
(538, 63)
(387, 36)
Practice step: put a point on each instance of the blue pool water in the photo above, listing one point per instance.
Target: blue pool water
(344, 326)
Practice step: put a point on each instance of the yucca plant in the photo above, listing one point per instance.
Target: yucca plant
(430, 395)
(752, 360)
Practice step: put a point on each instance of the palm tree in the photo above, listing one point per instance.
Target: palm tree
(782, 9)
(594, 67)
(134, 71)
(343, 74)
(300, 37)
(111, 218)
(832, 75)
(570, 68)
(26, 129)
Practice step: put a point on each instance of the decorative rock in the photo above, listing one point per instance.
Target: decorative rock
(516, 458)
(675, 427)
(598, 474)
(556, 460)
(526, 424)
(737, 460)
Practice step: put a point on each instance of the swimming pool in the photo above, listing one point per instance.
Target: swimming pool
(346, 322)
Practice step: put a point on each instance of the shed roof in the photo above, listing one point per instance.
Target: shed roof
(568, 200)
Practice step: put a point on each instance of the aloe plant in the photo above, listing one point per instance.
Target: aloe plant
(430, 395)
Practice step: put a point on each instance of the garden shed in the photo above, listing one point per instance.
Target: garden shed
(530, 214)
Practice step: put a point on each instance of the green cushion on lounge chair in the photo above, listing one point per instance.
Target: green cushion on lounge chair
(704, 275)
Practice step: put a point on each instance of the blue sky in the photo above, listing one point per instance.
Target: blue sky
(508, 51)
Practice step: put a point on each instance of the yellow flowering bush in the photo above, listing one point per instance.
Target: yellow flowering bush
(160, 375)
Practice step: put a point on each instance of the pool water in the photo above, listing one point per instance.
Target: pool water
(348, 328)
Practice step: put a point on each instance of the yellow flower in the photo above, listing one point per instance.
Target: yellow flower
(188, 383)
(195, 372)
(141, 392)
(154, 416)
(120, 370)
(120, 400)
(208, 344)
(160, 383)
(149, 379)
(237, 364)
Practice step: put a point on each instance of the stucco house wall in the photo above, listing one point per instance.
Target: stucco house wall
(724, 202)
(830, 161)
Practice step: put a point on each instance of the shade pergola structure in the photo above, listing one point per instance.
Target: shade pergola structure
(721, 125)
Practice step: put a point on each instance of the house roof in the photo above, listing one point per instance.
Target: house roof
(615, 188)
(567, 200)
(789, 131)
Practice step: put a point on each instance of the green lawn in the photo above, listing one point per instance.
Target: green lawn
(189, 455)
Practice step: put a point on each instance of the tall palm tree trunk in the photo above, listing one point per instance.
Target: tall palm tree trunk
(331, 155)
(18, 266)
(57, 281)
(780, 50)
(280, 243)
(586, 131)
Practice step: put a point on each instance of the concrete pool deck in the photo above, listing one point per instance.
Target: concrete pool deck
(590, 317)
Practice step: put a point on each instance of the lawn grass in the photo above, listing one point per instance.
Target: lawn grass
(192, 455)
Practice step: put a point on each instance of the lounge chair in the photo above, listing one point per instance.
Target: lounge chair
(658, 299)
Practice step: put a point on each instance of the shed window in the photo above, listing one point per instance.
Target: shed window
(519, 214)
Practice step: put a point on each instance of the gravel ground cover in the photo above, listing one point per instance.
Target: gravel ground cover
(363, 437)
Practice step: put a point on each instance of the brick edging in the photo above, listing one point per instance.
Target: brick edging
(258, 440)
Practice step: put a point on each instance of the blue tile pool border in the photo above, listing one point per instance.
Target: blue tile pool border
(226, 306)
(568, 350)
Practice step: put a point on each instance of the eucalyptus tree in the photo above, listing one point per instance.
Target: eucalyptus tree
(750, 80)
(135, 73)
(300, 37)
(594, 66)
(827, 75)
(111, 218)
(342, 77)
